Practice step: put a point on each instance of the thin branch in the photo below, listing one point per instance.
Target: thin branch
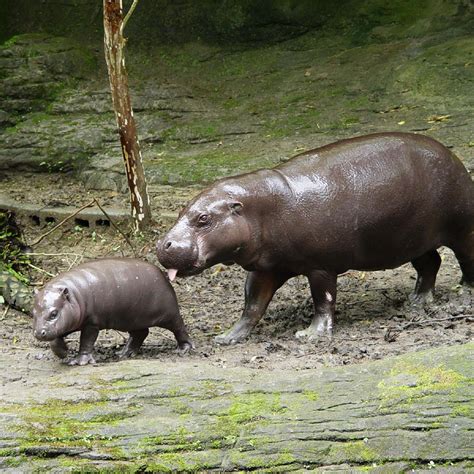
(128, 15)
(40, 270)
(427, 322)
(116, 226)
(62, 254)
(39, 239)
(5, 313)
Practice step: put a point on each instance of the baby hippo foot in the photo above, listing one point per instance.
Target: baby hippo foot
(321, 326)
(59, 347)
(82, 359)
(185, 347)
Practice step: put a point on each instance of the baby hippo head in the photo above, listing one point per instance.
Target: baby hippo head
(54, 313)
(211, 229)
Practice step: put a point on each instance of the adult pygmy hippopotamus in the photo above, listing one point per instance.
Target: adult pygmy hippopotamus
(367, 203)
(118, 293)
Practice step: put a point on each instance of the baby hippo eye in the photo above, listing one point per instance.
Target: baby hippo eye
(203, 219)
(53, 315)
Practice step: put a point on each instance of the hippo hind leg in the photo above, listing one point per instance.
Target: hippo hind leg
(464, 251)
(426, 266)
(133, 344)
(323, 290)
(175, 324)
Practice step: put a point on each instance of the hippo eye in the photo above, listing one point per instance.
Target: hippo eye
(203, 219)
(53, 315)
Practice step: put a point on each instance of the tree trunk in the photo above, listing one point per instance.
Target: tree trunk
(413, 412)
(114, 43)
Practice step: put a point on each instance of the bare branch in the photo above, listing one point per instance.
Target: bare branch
(128, 15)
(116, 227)
(39, 239)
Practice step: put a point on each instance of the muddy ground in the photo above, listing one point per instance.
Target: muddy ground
(374, 319)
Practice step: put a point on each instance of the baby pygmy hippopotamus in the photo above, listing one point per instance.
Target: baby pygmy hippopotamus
(116, 293)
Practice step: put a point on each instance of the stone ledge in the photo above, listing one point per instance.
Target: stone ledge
(37, 215)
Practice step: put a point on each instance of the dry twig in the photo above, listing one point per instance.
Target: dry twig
(5, 312)
(41, 237)
(116, 226)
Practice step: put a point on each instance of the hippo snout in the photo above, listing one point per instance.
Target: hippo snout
(178, 254)
(41, 334)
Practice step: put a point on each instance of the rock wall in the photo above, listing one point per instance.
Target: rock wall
(227, 20)
(225, 87)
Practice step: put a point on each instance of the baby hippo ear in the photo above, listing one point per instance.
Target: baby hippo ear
(235, 207)
(65, 293)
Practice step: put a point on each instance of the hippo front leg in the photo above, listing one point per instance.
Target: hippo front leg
(59, 347)
(323, 291)
(86, 346)
(259, 290)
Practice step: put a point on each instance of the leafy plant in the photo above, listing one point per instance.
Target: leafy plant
(12, 257)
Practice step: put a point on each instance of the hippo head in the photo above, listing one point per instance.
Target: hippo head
(213, 228)
(54, 313)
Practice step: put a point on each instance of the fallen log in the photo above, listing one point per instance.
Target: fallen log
(412, 412)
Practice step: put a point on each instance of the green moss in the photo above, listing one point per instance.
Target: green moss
(180, 407)
(465, 409)
(203, 167)
(16, 461)
(408, 382)
(58, 423)
(352, 451)
(215, 388)
(311, 395)
(244, 413)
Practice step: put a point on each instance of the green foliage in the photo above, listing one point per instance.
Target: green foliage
(12, 258)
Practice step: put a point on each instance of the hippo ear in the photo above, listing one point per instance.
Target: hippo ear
(235, 207)
(65, 293)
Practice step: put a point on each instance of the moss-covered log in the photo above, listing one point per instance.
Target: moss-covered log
(410, 412)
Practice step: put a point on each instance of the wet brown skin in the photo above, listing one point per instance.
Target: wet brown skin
(120, 293)
(367, 203)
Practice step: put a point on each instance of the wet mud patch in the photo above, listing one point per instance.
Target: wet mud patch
(374, 319)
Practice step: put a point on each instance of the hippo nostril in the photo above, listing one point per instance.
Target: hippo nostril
(43, 332)
(167, 245)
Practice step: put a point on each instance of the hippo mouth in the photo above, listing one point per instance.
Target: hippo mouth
(185, 272)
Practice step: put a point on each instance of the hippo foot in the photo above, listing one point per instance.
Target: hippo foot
(321, 326)
(420, 299)
(229, 339)
(59, 347)
(312, 334)
(184, 348)
(82, 359)
(126, 353)
(237, 333)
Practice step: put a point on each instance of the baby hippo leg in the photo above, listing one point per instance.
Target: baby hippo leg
(185, 344)
(59, 347)
(133, 343)
(175, 324)
(86, 346)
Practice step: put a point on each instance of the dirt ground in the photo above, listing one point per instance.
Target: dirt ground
(374, 319)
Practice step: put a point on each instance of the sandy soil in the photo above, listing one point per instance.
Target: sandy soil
(374, 319)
